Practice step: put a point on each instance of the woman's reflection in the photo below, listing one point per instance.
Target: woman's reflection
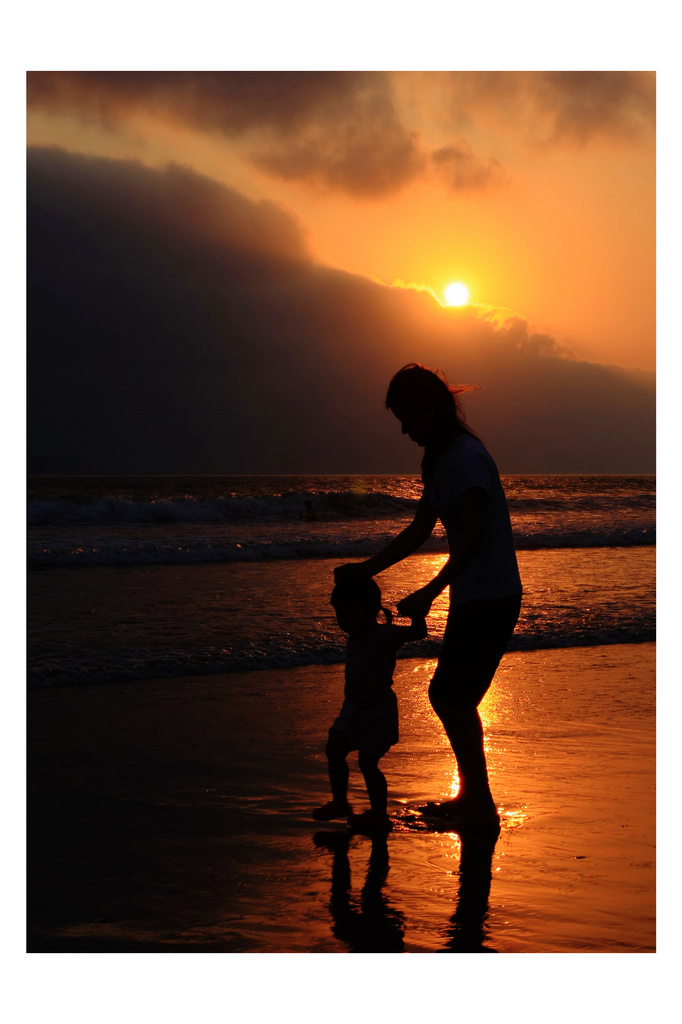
(466, 932)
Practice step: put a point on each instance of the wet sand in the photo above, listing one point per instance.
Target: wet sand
(174, 816)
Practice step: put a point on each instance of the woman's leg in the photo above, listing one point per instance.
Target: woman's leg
(475, 640)
(465, 732)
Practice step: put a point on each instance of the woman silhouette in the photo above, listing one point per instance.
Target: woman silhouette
(462, 488)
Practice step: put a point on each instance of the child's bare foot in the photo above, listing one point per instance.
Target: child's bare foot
(333, 809)
(368, 822)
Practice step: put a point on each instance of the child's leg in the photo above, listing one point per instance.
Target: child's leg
(337, 750)
(375, 781)
(376, 820)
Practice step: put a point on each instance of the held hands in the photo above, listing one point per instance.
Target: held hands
(415, 606)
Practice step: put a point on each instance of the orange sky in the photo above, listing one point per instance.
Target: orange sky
(538, 192)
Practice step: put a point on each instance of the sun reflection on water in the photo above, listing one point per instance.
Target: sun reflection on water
(453, 789)
(512, 819)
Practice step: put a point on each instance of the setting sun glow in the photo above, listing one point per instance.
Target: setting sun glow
(456, 294)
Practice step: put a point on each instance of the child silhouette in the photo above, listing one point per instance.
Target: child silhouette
(368, 720)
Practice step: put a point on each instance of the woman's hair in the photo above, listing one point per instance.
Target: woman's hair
(416, 387)
(362, 590)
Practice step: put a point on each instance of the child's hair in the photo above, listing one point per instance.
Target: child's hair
(362, 590)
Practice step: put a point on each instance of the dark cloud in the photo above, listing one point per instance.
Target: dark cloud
(558, 106)
(339, 129)
(230, 101)
(368, 153)
(583, 104)
(174, 326)
(462, 169)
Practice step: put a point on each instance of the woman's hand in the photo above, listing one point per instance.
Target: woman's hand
(417, 605)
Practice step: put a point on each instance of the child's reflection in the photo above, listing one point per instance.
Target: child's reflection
(370, 924)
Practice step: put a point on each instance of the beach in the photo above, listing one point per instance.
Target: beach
(173, 815)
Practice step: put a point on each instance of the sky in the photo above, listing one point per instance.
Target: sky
(591, 236)
(225, 268)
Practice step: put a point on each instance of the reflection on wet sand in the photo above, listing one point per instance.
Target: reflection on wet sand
(371, 924)
(466, 932)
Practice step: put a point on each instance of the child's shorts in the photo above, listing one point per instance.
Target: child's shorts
(369, 730)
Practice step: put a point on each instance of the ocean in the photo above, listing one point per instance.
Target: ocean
(158, 577)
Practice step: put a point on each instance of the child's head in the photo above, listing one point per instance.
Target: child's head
(357, 603)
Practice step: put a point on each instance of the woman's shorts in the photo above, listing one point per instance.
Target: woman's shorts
(476, 637)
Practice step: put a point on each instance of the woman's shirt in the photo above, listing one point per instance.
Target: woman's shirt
(493, 571)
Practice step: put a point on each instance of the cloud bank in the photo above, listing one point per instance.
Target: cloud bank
(177, 327)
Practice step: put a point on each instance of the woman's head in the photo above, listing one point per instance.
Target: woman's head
(426, 405)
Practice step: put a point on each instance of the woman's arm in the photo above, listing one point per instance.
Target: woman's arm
(471, 534)
(411, 538)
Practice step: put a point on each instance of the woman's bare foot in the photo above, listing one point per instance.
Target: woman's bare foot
(468, 811)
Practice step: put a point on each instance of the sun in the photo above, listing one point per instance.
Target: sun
(456, 294)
